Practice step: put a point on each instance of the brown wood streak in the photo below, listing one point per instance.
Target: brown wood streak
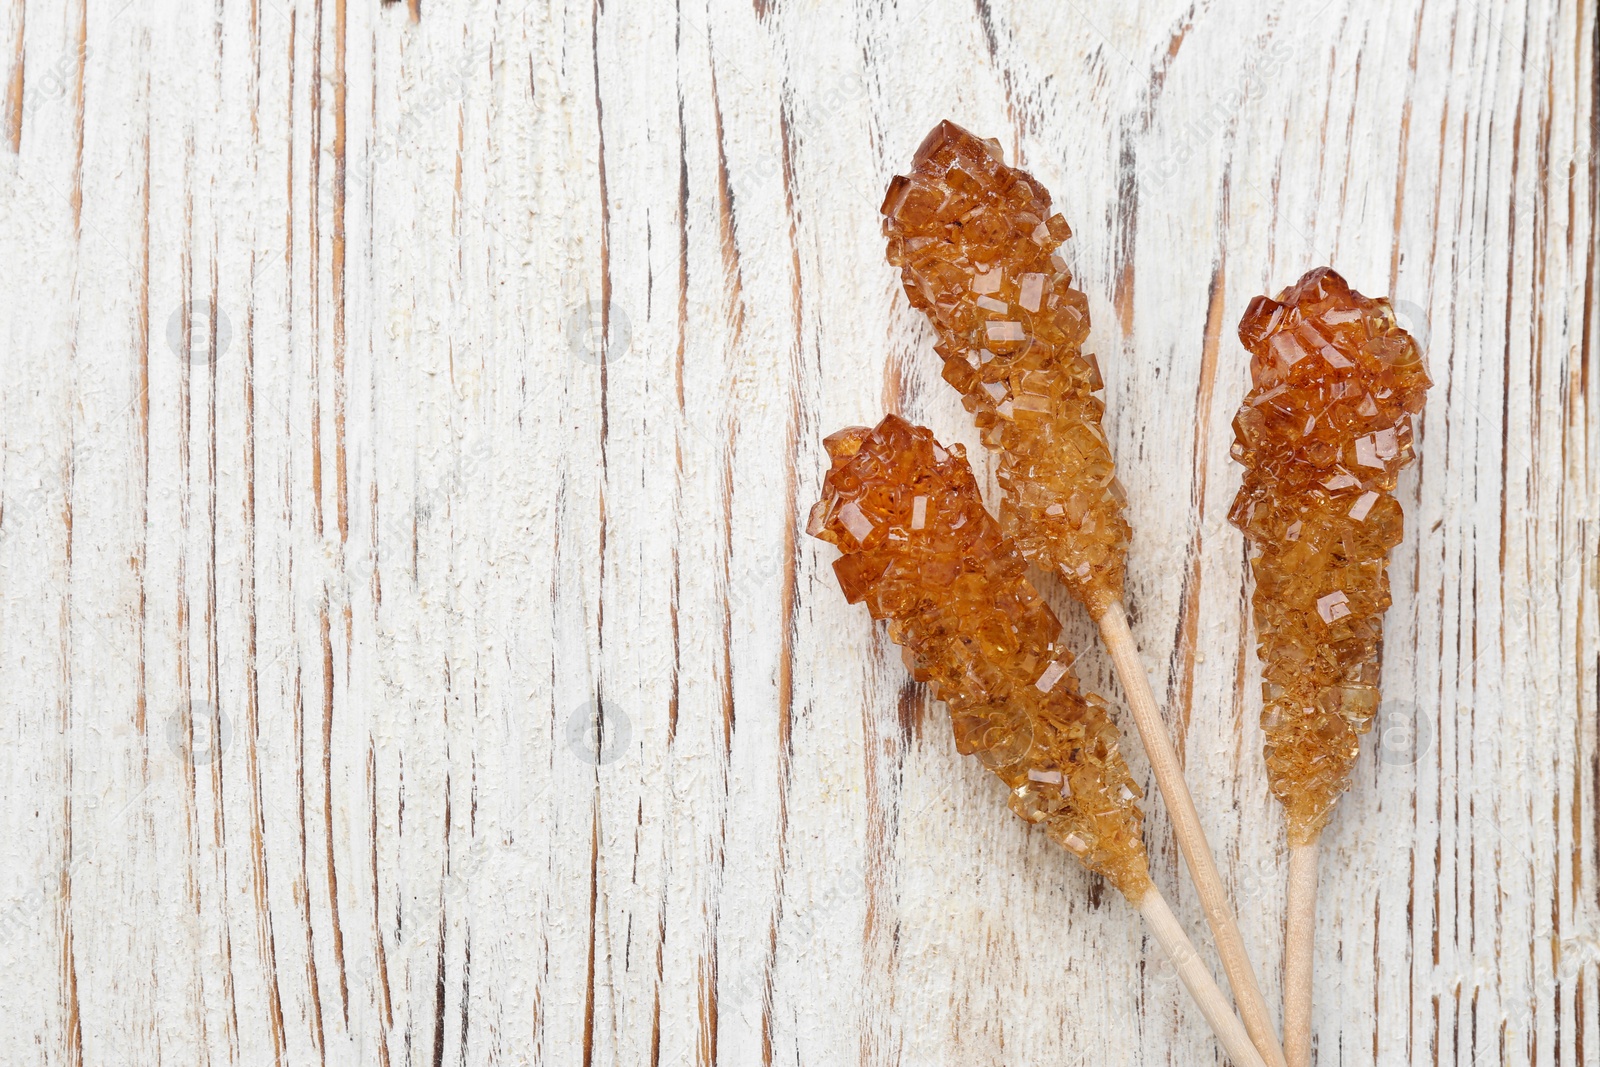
(1328, 95)
(314, 247)
(442, 945)
(1402, 150)
(16, 87)
(337, 252)
(1349, 156)
(725, 212)
(735, 315)
(605, 260)
(342, 484)
(1591, 323)
(1126, 236)
(1579, 1000)
(1576, 424)
(303, 896)
(1469, 909)
(655, 992)
(1573, 417)
(1180, 695)
(788, 598)
(142, 403)
(1543, 172)
(674, 682)
(466, 983)
(876, 932)
(303, 881)
(385, 1001)
(1411, 912)
(314, 252)
(73, 1029)
(219, 810)
(1242, 657)
(594, 904)
(260, 881)
(374, 525)
(706, 1011)
(327, 806)
(1377, 925)
(1127, 209)
(1504, 533)
(677, 435)
(1413, 977)
(181, 645)
(605, 339)
(288, 181)
(986, 23)
(1441, 777)
(438, 972)
(77, 121)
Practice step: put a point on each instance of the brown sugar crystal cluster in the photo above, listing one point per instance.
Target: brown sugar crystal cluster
(976, 242)
(921, 551)
(1322, 434)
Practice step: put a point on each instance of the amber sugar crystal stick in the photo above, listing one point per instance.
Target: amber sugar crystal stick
(920, 549)
(976, 242)
(1322, 435)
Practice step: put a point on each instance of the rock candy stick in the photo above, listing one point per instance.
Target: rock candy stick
(921, 551)
(1322, 435)
(976, 242)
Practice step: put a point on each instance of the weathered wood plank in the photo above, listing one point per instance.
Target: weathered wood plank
(410, 650)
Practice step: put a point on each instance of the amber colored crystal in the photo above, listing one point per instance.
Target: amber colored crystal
(921, 551)
(976, 242)
(1322, 434)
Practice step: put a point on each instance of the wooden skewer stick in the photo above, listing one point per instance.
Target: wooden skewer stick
(1191, 838)
(1059, 757)
(1213, 1005)
(1299, 943)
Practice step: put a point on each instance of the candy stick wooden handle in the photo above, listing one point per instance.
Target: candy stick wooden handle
(1299, 943)
(1191, 838)
(1197, 980)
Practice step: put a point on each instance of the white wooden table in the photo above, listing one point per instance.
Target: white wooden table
(387, 393)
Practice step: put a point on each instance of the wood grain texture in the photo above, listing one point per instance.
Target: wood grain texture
(409, 649)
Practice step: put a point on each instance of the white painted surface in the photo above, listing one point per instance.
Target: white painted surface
(414, 518)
